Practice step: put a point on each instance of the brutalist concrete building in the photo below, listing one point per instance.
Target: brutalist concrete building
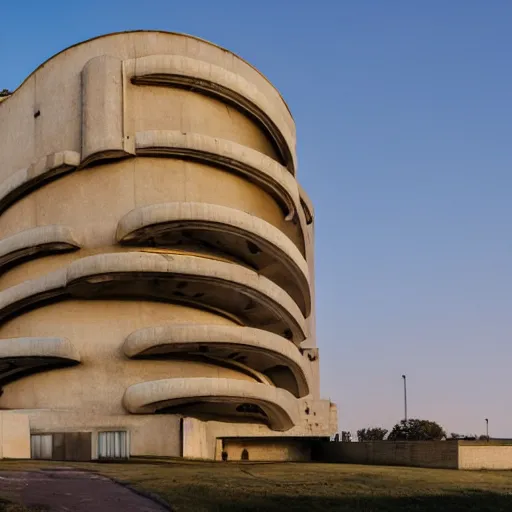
(156, 249)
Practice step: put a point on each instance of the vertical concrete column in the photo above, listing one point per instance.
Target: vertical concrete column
(103, 107)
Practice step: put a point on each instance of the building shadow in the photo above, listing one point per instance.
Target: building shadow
(466, 502)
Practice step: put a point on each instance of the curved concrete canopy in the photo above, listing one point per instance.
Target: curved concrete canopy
(213, 80)
(257, 349)
(20, 357)
(45, 169)
(199, 281)
(307, 205)
(247, 400)
(249, 239)
(35, 242)
(248, 162)
(164, 32)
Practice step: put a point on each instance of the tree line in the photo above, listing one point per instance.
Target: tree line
(411, 430)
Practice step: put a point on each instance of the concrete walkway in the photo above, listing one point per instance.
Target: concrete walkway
(66, 489)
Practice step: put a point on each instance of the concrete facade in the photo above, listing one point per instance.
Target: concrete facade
(156, 251)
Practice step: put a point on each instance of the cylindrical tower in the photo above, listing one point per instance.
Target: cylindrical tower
(156, 254)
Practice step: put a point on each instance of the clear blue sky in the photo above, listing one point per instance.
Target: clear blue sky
(404, 116)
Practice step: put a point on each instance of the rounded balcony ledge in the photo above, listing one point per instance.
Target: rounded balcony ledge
(199, 281)
(307, 205)
(262, 351)
(233, 57)
(220, 83)
(42, 171)
(233, 400)
(252, 241)
(20, 357)
(247, 162)
(34, 243)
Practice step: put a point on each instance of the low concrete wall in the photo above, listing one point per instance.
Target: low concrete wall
(428, 454)
(485, 456)
(266, 449)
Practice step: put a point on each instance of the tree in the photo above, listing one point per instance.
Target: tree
(5, 92)
(371, 434)
(417, 430)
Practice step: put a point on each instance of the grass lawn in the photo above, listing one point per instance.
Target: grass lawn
(209, 486)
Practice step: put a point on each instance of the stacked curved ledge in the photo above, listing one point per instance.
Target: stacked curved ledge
(214, 398)
(20, 357)
(156, 252)
(34, 243)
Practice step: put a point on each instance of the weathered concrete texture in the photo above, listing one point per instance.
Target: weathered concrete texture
(37, 173)
(266, 449)
(274, 254)
(35, 242)
(266, 171)
(484, 456)
(179, 71)
(14, 436)
(102, 108)
(20, 357)
(261, 350)
(152, 226)
(431, 454)
(425, 454)
(274, 406)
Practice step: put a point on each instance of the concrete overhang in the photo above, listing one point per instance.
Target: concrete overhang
(42, 171)
(242, 160)
(34, 243)
(212, 80)
(233, 400)
(239, 293)
(20, 357)
(250, 240)
(260, 350)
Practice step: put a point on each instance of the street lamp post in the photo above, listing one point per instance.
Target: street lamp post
(405, 396)
(487, 428)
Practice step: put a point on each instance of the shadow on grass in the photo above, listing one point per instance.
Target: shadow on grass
(471, 501)
(8, 506)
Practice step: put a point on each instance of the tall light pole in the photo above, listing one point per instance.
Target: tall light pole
(487, 428)
(405, 396)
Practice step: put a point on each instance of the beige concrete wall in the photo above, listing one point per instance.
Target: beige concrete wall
(478, 456)
(14, 435)
(428, 454)
(86, 205)
(60, 126)
(276, 450)
(197, 443)
(158, 108)
(150, 435)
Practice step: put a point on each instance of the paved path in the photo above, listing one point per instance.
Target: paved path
(65, 490)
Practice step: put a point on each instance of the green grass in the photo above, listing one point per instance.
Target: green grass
(209, 486)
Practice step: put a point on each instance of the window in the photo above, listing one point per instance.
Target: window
(113, 445)
(41, 446)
